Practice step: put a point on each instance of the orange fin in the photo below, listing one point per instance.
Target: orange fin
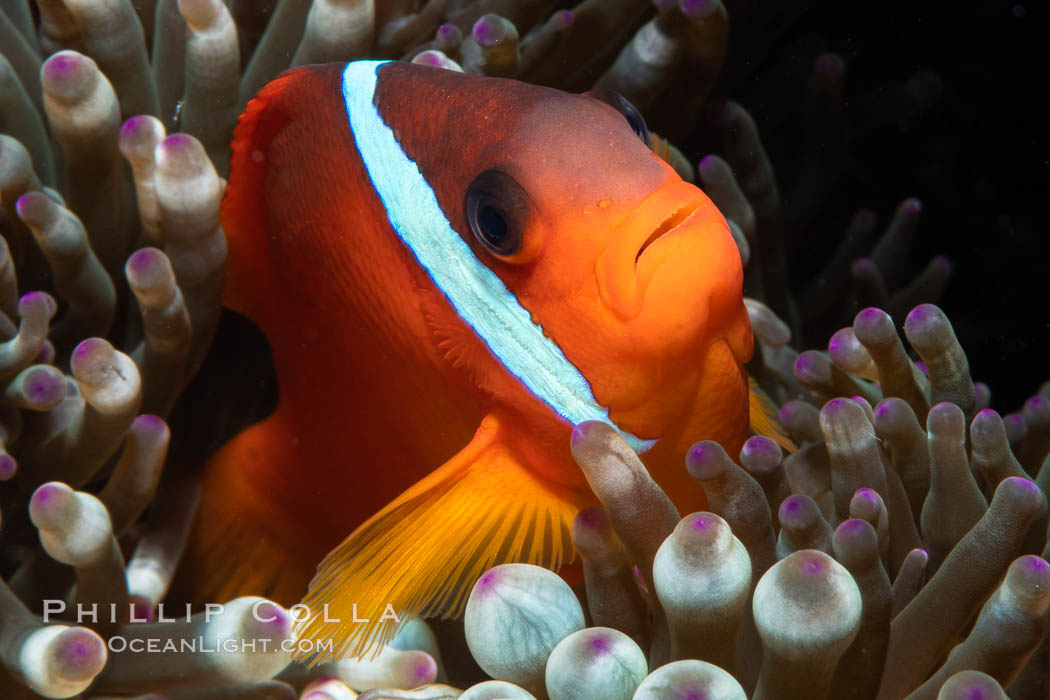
(240, 543)
(243, 212)
(763, 414)
(423, 552)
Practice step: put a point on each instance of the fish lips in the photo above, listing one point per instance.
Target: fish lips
(661, 254)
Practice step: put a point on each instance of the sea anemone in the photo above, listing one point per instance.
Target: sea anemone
(858, 595)
(901, 550)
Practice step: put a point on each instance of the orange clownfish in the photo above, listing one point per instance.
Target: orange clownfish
(452, 271)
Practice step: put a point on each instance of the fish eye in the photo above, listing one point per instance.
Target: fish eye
(622, 105)
(492, 225)
(497, 209)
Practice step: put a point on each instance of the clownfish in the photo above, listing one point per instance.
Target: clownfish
(452, 271)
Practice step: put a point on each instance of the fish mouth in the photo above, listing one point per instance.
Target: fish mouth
(668, 226)
(645, 238)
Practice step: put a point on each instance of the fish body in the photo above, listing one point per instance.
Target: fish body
(451, 272)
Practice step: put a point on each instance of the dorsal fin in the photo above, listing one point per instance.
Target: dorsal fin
(243, 212)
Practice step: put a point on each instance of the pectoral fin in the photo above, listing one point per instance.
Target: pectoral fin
(763, 415)
(423, 552)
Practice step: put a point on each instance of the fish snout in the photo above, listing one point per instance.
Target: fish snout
(671, 224)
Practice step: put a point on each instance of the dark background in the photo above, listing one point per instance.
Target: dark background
(978, 159)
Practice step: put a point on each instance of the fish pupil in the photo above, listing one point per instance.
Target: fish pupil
(493, 225)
